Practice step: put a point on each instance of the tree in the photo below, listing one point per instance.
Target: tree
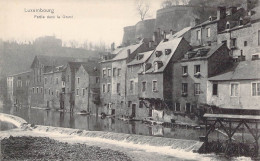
(142, 8)
(169, 3)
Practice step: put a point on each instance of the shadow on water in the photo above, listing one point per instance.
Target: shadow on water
(94, 123)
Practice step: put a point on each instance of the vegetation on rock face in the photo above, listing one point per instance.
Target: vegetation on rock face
(42, 148)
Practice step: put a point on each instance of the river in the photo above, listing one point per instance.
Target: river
(186, 135)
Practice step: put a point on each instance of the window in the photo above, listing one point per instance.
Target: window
(108, 87)
(245, 43)
(49, 91)
(198, 35)
(240, 21)
(68, 77)
(57, 93)
(155, 86)
(104, 88)
(143, 86)
(118, 88)
(19, 83)
(57, 80)
(119, 72)
(97, 80)
(131, 85)
(41, 90)
(104, 73)
(63, 83)
(114, 72)
(83, 91)
(37, 90)
(208, 32)
(184, 88)
(234, 89)
(109, 72)
(188, 108)
(215, 89)
(228, 25)
(196, 88)
(177, 106)
(33, 90)
(256, 89)
(184, 70)
(255, 57)
(129, 103)
(196, 69)
(233, 42)
(78, 79)
(131, 69)
(258, 37)
(45, 80)
(77, 92)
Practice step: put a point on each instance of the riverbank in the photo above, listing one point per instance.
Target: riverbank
(43, 148)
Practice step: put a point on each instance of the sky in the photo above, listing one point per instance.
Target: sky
(92, 20)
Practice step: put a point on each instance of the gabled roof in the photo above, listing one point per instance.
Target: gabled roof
(245, 70)
(19, 73)
(170, 44)
(92, 68)
(146, 55)
(178, 34)
(123, 53)
(210, 52)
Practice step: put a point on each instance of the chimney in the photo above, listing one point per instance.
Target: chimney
(128, 53)
(232, 10)
(159, 34)
(197, 21)
(171, 32)
(164, 35)
(221, 13)
(113, 46)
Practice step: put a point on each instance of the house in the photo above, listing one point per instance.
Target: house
(237, 88)
(242, 35)
(192, 73)
(114, 72)
(42, 64)
(105, 80)
(18, 88)
(206, 32)
(155, 81)
(133, 68)
(87, 92)
(54, 86)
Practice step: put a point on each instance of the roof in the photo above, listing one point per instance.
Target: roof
(210, 52)
(92, 68)
(123, 53)
(231, 116)
(56, 60)
(256, 16)
(245, 70)
(170, 44)
(19, 73)
(179, 33)
(146, 55)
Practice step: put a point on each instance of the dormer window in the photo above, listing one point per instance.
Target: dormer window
(240, 21)
(167, 51)
(158, 53)
(210, 18)
(228, 25)
(157, 65)
(139, 57)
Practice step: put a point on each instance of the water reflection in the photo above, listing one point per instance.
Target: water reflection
(93, 123)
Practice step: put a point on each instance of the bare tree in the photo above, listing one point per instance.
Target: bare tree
(142, 8)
